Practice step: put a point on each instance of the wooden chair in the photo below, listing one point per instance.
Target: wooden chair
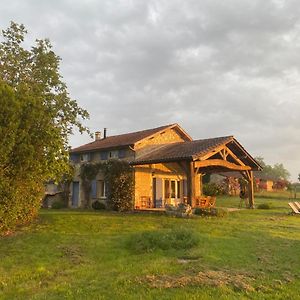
(145, 202)
(294, 208)
(297, 204)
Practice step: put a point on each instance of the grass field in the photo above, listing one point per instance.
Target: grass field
(250, 254)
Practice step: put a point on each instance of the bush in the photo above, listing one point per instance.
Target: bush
(120, 184)
(97, 205)
(179, 238)
(264, 206)
(215, 212)
(210, 189)
(58, 205)
(18, 206)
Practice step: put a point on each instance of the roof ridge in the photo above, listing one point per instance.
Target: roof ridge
(139, 131)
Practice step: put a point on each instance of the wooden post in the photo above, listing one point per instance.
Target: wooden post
(251, 189)
(190, 183)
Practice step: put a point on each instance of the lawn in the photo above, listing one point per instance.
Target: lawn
(73, 254)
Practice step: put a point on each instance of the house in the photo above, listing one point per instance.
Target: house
(168, 164)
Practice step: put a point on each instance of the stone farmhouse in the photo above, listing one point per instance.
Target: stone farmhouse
(168, 164)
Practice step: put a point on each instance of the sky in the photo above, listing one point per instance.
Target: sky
(214, 67)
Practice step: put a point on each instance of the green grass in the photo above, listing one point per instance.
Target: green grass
(69, 254)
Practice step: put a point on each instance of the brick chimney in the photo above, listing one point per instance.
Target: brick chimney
(104, 135)
(97, 135)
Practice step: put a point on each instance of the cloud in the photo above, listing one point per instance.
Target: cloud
(215, 67)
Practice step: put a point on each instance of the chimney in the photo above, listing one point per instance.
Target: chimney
(97, 135)
(104, 135)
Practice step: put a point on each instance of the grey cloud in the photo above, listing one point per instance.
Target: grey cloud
(215, 67)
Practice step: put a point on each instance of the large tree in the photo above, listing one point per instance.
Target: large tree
(37, 116)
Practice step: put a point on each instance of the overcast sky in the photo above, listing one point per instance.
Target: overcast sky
(215, 67)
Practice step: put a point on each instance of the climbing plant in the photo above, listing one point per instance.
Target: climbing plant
(119, 179)
(88, 172)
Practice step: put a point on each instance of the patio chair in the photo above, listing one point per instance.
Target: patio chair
(297, 204)
(294, 208)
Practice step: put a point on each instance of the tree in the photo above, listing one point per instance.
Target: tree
(299, 176)
(278, 171)
(37, 116)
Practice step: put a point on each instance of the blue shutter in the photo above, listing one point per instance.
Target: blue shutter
(121, 153)
(103, 155)
(94, 189)
(74, 157)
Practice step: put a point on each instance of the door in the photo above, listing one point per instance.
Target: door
(75, 194)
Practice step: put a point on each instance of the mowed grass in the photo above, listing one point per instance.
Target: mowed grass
(69, 254)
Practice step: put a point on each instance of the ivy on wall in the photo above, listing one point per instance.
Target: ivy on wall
(119, 179)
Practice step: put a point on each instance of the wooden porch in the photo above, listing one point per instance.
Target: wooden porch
(200, 157)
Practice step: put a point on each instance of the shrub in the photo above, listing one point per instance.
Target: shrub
(97, 205)
(119, 177)
(18, 206)
(264, 206)
(178, 238)
(215, 212)
(210, 189)
(58, 205)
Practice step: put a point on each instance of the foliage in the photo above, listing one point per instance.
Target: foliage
(215, 212)
(278, 171)
(36, 117)
(213, 189)
(231, 186)
(206, 178)
(97, 205)
(176, 238)
(264, 206)
(119, 177)
(88, 172)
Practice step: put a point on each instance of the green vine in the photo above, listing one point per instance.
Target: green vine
(119, 179)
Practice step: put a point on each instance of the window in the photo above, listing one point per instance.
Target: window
(113, 154)
(171, 189)
(122, 153)
(85, 157)
(101, 189)
(167, 188)
(74, 158)
(103, 155)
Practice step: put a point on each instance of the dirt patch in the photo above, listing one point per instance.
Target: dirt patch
(240, 282)
(73, 253)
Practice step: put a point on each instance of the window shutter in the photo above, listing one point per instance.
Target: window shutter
(94, 189)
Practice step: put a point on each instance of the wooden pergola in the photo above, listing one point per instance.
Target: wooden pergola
(218, 161)
(216, 155)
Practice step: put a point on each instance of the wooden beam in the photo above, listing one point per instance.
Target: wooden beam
(234, 156)
(213, 152)
(190, 176)
(221, 163)
(251, 190)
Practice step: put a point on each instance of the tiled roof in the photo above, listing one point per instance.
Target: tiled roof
(119, 140)
(182, 150)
